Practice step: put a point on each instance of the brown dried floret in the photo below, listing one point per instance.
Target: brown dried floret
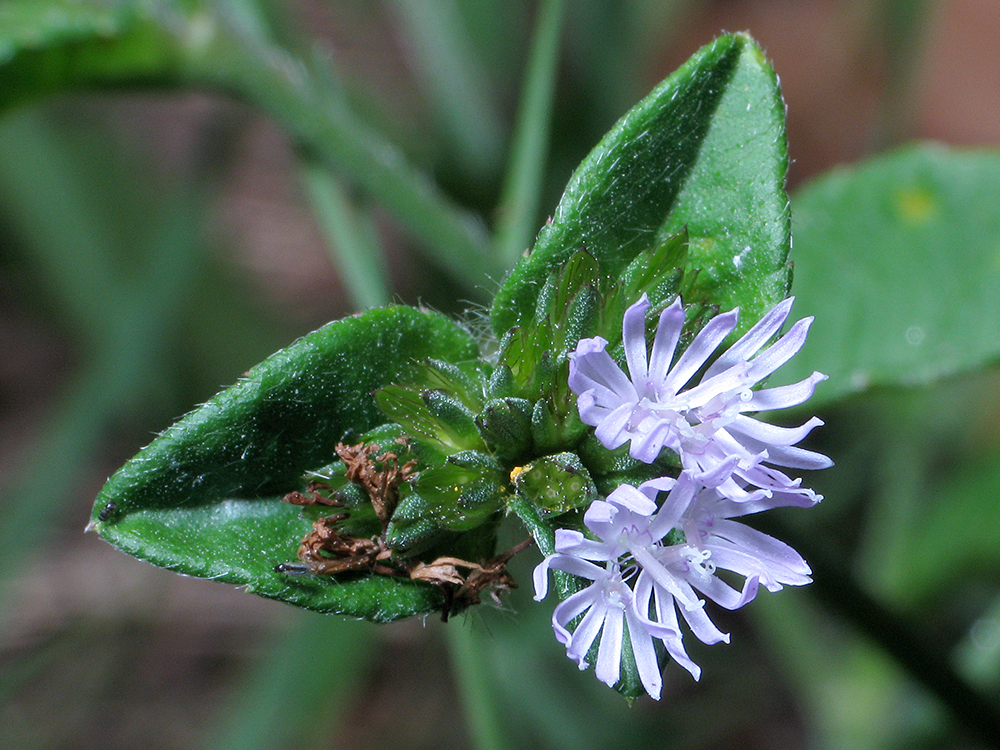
(379, 477)
(463, 591)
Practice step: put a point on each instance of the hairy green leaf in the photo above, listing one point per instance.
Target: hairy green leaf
(706, 151)
(204, 497)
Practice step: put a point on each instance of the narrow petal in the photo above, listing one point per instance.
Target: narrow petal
(645, 655)
(627, 496)
(668, 332)
(634, 339)
(586, 633)
(781, 351)
(648, 447)
(577, 567)
(725, 595)
(753, 339)
(769, 434)
(609, 652)
(611, 432)
(700, 350)
(785, 396)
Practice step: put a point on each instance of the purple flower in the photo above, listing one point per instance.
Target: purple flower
(640, 579)
(708, 526)
(707, 424)
(607, 603)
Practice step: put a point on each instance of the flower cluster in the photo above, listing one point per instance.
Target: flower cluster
(649, 560)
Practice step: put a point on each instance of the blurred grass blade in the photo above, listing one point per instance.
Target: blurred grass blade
(455, 82)
(476, 686)
(517, 214)
(284, 703)
(351, 237)
(59, 46)
(136, 315)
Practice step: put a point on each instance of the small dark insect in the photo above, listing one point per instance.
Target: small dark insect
(294, 569)
(107, 512)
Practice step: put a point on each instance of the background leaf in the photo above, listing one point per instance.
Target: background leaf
(710, 135)
(899, 261)
(205, 497)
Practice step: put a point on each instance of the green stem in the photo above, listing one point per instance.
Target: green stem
(519, 202)
(475, 687)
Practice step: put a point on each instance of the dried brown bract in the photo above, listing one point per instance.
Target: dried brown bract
(463, 591)
(313, 496)
(379, 476)
(325, 551)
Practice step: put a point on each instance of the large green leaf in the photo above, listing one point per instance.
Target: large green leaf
(706, 150)
(204, 497)
(898, 260)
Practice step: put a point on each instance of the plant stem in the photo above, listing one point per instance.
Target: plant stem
(467, 654)
(518, 209)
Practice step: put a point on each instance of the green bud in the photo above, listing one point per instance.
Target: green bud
(429, 414)
(501, 382)
(412, 529)
(463, 493)
(445, 376)
(505, 426)
(555, 484)
(582, 317)
(457, 421)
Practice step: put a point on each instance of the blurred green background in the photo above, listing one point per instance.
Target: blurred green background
(181, 194)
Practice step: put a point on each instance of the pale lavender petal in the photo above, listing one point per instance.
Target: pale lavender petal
(627, 496)
(768, 435)
(609, 652)
(785, 396)
(634, 339)
(590, 366)
(571, 608)
(665, 628)
(585, 633)
(703, 346)
(753, 339)
(703, 628)
(676, 504)
(645, 655)
(725, 595)
(757, 544)
(577, 566)
(610, 432)
(772, 575)
(780, 351)
(668, 332)
(665, 579)
(654, 487)
(735, 378)
(647, 447)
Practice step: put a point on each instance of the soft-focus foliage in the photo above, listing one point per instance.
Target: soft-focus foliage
(133, 213)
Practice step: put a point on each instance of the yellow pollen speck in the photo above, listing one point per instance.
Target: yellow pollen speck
(515, 473)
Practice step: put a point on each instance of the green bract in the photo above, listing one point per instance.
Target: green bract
(365, 469)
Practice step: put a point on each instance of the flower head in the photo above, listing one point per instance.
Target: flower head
(707, 424)
(640, 578)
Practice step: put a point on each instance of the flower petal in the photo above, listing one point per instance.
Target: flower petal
(753, 339)
(703, 346)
